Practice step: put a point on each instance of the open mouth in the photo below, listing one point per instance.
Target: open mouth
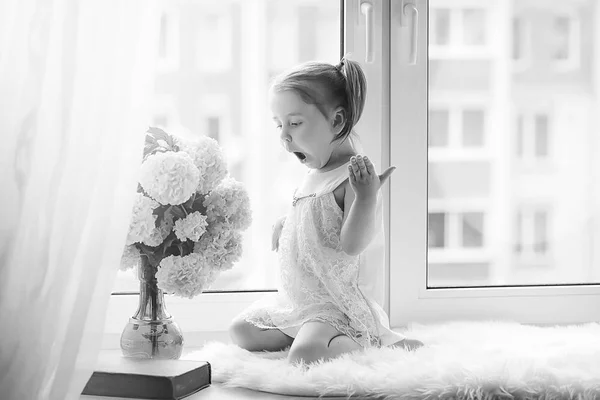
(301, 156)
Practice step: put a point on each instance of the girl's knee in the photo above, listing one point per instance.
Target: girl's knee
(240, 333)
(306, 353)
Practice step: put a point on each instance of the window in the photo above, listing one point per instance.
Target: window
(218, 88)
(473, 128)
(168, 41)
(565, 47)
(485, 221)
(458, 30)
(439, 122)
(456, 128)
(465, 233)
(474, 27)
(521, 41)
(455, 229)
(532, 225)
(533, 137)
(214, 56)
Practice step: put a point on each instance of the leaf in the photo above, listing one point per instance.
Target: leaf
(159, 134)
(198, 204)
(168, 243)
(178, 212)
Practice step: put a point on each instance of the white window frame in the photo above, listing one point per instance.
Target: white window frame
(411, 299)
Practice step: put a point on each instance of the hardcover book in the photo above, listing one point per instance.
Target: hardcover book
(117, 376)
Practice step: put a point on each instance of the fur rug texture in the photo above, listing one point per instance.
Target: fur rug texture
(460, 360)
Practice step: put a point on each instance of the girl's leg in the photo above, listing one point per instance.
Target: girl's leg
(252, 338)
(319, 340)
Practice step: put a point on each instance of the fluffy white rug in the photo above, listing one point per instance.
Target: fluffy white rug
(460, 360)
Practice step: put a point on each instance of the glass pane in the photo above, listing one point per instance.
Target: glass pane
(526, 211)
(438, 128)
(218, 59)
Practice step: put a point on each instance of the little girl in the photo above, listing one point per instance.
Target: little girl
(330, 244)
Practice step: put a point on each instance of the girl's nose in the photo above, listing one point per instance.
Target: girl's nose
(285, 136)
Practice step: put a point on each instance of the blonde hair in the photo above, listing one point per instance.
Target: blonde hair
(329, 86)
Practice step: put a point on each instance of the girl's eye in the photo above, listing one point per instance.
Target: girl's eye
(295, 123)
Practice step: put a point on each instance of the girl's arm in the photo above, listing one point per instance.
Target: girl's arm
(360, 204)
(358, 227)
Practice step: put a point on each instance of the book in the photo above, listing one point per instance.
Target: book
(118, 376)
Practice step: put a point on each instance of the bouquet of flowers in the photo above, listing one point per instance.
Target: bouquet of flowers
(188, 214)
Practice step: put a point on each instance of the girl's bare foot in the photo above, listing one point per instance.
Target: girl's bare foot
(408, 344)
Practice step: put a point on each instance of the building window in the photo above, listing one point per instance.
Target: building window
(474, 24)
(533, 136)
(160, 121)
(464, 230)
(452, 128)
(213, 127)
(473, 128)
(440, 24)
(532, 232)
(565, 49)
(472, 229)
(168, 42)
(214, 56)
(437, 225)
(458, 27)
(438, 128)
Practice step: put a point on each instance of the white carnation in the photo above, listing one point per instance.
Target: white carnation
(208, 158)
(229, 203)
(169, 177)
(191, 227)
(185, 276)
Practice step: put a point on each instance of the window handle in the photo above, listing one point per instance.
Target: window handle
(366, 9)
(410, 12)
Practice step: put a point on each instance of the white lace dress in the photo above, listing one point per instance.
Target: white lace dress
(319, 282)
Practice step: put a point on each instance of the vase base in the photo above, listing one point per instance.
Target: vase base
(162, 339)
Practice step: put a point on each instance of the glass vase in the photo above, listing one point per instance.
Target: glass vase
(151, 332)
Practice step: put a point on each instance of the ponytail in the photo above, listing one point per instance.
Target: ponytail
(356, 91)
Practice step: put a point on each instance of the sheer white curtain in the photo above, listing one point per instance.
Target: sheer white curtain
(75, 80)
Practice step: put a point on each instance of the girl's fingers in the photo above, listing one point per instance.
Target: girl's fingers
(355, 168)
(351, 173)
(361, 166)
(368, 165)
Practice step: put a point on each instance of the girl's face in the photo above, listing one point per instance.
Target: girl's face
(303, 129)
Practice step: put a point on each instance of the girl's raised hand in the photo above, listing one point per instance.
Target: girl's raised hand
(364, 180)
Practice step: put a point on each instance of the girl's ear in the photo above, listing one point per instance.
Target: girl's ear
(339, 120)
